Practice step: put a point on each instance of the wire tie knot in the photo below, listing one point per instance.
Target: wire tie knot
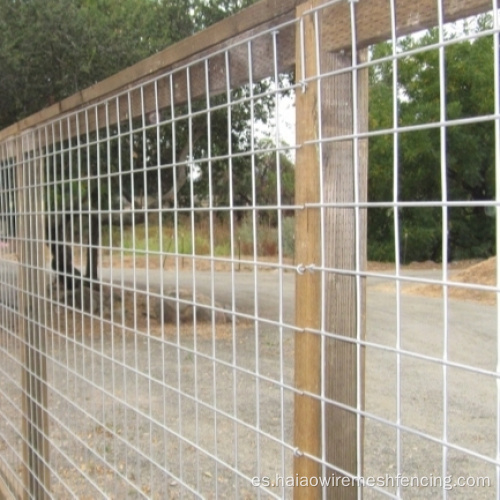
(301, 269)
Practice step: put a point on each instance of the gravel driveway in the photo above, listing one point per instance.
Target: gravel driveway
(191, 403)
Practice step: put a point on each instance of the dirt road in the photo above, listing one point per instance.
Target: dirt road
(433, 404)
(191, 402)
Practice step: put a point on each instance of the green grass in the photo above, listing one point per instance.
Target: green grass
(150, 237)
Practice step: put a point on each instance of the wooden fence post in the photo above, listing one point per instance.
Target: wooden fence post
(32, 285)
(307, 417)
(345, 242)
(344, 238)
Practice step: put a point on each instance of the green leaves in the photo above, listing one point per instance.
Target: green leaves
(468, 157)
(50, 49)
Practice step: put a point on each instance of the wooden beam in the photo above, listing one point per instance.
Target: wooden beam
(148, 97)
(373, 19)
(344, 245)
(308, 306)
(258, 17)
(373, 24)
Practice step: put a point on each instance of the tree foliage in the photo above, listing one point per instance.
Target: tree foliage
(50, 49)
(467, 150)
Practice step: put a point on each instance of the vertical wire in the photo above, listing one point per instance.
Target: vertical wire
(321, 167)
(189, 171)
(71, 241)
(31, 296)
(27, 389)
(27, 263)
(50, 220)
(496, 79)
(147, 291)
(35, 298)
(233, 277)
(176, 251)
(42, 211)
(13, 182)
(161, 257)
(397, 256)
(20, 178)
(128, 114)
(19, 345)
(89, 205)
(253, 167)
(41, 207)
(62, 239)
(50, 319)
(109, 221)
(36, 291)
(119, 253)
(136, 367)
(27, 185)
(159, 192)
(73, 246)
(54, 293)
(94, 279)
(280, 245)
(358, 247)
(81, 242)
(133, 291)
(303, 75)
(55, 231)
(212, 265)
(41, 267)
(444, 230)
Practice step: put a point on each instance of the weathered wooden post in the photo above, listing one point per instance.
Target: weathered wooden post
(338, 107)
(345, 182)
(32, 291)
(307, 419)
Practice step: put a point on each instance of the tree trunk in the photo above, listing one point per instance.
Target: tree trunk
(62, 256)
(93, 249)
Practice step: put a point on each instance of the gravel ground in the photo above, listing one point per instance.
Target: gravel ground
(127, 406)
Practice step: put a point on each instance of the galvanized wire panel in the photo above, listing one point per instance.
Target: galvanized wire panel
(186, 307)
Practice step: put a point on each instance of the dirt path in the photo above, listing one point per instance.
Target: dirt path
(146, 399)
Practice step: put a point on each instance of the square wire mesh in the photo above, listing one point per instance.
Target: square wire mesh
(150, 273)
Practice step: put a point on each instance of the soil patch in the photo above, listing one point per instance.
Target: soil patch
(483, 273)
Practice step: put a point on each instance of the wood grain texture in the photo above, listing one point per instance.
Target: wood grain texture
(344, 181)
(307, 416)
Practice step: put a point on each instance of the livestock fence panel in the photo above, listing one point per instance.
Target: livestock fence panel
(187, 307)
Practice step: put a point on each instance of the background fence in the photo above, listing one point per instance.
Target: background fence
(186, 304)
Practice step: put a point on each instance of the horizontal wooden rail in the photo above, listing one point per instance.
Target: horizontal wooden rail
(260, 15)
(372, 21)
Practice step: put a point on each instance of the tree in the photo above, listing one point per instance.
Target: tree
(54, 48)
(51, 49)
(469, 147)
(208, 12)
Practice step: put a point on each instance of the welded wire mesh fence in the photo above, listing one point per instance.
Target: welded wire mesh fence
(186, 306)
